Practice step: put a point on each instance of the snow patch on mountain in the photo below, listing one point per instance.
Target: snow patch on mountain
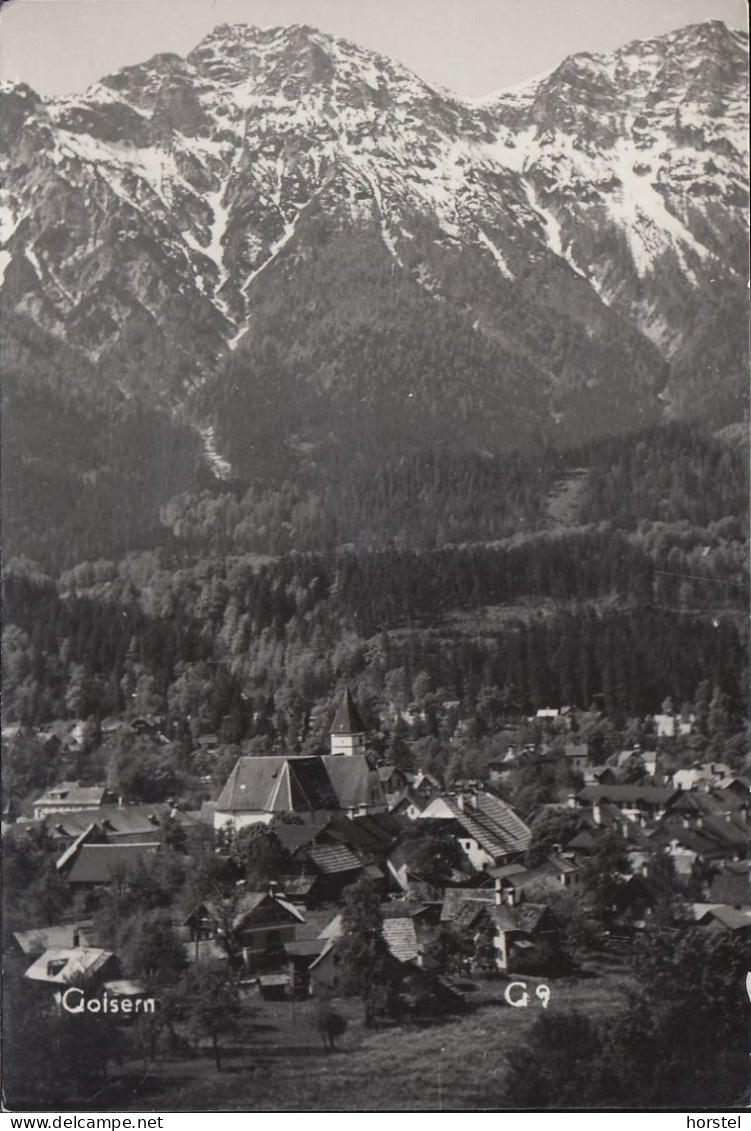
(221, 468)
(503, 266)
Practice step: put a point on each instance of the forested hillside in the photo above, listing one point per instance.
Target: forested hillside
(465, 577)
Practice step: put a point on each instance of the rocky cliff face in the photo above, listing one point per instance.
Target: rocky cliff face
(585, 230)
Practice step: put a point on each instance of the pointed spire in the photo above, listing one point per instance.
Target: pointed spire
(348, 719)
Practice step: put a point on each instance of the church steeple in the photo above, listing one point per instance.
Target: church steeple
(348, 729)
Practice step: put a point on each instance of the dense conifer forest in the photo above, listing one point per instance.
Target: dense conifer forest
(615, 572)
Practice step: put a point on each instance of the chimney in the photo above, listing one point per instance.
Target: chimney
(511, 897)
(597, 814)
(460, 801)
(473, 798)
(120, 801)
(498, 892)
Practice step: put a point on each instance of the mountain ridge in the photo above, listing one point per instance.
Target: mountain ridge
(283, 239)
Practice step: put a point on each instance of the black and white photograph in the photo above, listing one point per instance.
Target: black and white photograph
(375, 492)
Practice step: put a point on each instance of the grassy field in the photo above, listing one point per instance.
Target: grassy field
(452, 1065)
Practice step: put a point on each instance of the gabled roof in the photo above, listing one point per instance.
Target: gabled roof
(317, 925)
(467, 915)
(246, 906)
(304, 784)
(60, 935)
(730, 917)
(70, 794)
(296, 885)
(527, 917)
(401, 938)
(488, 820)
(347, 719)
(333, 858)
(114, 820)
(101, 863)
(70, 964)
(455, 898)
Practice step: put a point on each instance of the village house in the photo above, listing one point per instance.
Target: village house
(66, 936)
(488, 830)
(68, 796)
(671, 725)
(525, 935)
(701, 774)
(561, 869)
(637, 801)
(115, 824)
(577, 756)
(720, 918)
(256, 926)
(80, 966)
(393, 782)
(90, 868)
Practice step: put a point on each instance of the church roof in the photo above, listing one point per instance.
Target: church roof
(300, 784)
(348, 719)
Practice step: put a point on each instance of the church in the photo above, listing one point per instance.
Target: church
(312, 787)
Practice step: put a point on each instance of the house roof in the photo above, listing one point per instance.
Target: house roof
(488, 820)
(333, 858)
(70, 794)
(468, 913)
(715, 836)
(401, 938)
(305, 948)
(316, 925)
(347, 719)
(735, 890)
(403, 909)
(730, 917)
(101, 863)
(588, 840)
(625, 794)
(114, 820)
(454, 898)
(248, 903)
(527, 917)
(78, 962)
(59, 935)
(297, 836)
(296, 885)
(302, 784)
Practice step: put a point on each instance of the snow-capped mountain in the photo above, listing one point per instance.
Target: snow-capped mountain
(586, 229)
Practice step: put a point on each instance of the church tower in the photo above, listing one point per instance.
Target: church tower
(348, 730)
